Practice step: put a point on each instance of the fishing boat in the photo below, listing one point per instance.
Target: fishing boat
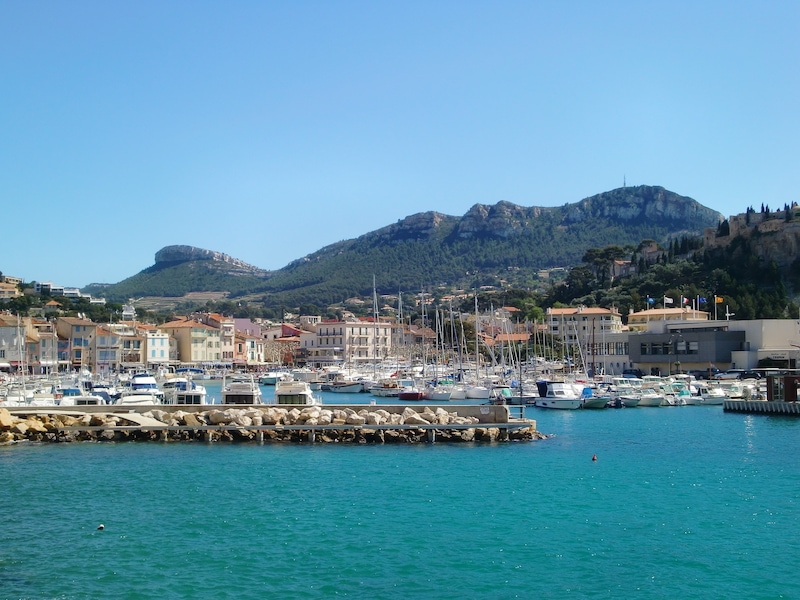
(386, 388)
(712, 393)
(590, 400)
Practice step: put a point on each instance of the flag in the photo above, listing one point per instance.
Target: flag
(667, 300)
(651, 300)
(702, 300)
(718, 299)
(684, 300)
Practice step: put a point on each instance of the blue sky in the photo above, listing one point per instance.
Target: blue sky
(267, 130)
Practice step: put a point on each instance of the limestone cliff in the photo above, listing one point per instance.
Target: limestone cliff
(180, 254)
(770, 236)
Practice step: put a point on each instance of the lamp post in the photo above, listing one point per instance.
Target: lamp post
(673, 347)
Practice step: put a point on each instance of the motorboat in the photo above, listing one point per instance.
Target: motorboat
(241, 389)
(141, 389)
(182, 390)
(294, 392)
(712, 394)
(345, 387)
(73, 396)
(272, 377)
(557, 394)
(590, 400)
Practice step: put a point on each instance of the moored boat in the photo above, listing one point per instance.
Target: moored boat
(241, 389)
(181, 390)
(558, 395)
(141, 389)
(294, 392)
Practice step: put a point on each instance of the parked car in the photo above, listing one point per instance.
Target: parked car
(739, 374)
(710, 373)
(730, 374)
(633, 373)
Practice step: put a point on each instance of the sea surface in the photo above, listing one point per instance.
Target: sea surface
(682, 502)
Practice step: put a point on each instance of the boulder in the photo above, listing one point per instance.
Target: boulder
(218, 417)
(160, 415)
(6, 420)
(416, 419)
(6, 437)
(97, 420)
(408, 412)
(243, 420)
(373, 418)
(311, 412)
(355, 419)
(190, 420)
(35, 424)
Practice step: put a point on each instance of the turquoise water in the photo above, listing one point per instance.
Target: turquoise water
(683, 502)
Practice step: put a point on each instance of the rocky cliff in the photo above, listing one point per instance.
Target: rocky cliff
(181, 254)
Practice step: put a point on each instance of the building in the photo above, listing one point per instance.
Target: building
(9, 290)
(12, 342)
(580, 325)
(80, 335)
(675, 346)
(196, 343)
(639, 321)
(352, 341)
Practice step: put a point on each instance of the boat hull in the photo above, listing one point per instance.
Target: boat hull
(558, 403)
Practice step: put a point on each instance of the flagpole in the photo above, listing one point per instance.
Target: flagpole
(715, 307)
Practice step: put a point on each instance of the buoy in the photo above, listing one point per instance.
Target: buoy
(594, 457)
(101, 526)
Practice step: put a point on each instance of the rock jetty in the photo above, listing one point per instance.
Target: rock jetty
(262, 424)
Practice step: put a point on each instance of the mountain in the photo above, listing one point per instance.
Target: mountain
(490, 242)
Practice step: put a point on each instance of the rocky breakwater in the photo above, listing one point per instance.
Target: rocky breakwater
(265, 424)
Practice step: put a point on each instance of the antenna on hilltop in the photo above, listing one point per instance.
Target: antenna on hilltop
(623, 181)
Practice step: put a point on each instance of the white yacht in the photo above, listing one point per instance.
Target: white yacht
(294, 392)
(141, 389)
(182, 390)
(241, 389)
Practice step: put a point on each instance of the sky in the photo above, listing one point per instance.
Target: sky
(267, 130)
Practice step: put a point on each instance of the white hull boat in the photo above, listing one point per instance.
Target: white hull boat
(294, 392)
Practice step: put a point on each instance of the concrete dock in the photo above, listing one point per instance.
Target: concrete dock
(762, 407)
